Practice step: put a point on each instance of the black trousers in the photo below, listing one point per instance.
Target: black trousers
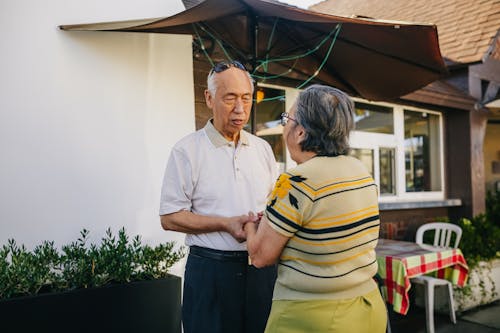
(222, 296)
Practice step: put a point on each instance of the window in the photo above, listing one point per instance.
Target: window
(269, 105)
(422, 152)
(384, 172)
(401, 147)
(375, 131)
(387, 159)
(365, 156)
(373, 118)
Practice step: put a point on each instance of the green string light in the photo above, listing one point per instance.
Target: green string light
(269, 43)
(324, 60)
(265, 63)
(203, 46)
(271, 98)
(270, 77)
(335, 31)
(228, 57)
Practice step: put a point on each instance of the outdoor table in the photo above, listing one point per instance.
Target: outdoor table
(398, 261)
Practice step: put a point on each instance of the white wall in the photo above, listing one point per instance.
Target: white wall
(87, 119)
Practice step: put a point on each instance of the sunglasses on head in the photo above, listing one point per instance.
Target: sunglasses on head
(222, 66)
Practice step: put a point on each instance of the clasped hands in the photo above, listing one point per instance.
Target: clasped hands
(236, 225)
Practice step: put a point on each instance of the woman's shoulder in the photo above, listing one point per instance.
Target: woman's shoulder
(331, 167)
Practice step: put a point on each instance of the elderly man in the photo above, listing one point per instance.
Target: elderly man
(214, 178)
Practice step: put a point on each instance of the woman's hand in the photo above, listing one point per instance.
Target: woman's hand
(236, 225)
(264, 244)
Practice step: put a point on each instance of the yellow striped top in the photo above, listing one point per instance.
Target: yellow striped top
(328, 207)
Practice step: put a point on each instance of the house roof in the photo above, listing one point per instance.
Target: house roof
(466, 28)
(441, 93)
(495, 48)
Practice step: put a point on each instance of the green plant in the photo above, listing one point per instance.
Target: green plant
(480, 243)
(23, 272)
(493, 207)
(480, 239)
(82, 265)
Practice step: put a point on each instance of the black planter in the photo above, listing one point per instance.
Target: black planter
(144, 306)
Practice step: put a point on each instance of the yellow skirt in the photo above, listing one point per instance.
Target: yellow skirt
(361, 314)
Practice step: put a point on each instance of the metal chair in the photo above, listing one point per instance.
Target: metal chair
(442, 238)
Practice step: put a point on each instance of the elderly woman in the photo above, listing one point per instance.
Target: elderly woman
(322, 223)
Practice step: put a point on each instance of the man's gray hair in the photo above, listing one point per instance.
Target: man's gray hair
(327, 114)
(212, 86)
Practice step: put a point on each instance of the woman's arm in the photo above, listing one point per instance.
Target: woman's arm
(264, 244)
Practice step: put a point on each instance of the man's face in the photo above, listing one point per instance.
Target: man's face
(232, 102)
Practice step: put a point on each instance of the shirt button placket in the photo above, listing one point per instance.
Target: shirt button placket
(235, 164)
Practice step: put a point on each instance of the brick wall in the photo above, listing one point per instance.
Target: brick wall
(403, 224)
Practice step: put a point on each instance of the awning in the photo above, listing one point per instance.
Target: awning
(374, 59)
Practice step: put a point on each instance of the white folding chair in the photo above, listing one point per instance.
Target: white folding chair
(442, 238)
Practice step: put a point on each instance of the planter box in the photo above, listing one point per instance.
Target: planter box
(143, 306)
(483, 287)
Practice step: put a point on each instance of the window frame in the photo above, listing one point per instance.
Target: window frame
(375, 141)
(368, 140)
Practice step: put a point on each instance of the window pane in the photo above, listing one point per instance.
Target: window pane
(279, 149)
(365, 156)
(422, 152)
(387, 172)
(269, 105)
(374, 118)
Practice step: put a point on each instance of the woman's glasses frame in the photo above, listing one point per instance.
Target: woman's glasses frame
(285, 117)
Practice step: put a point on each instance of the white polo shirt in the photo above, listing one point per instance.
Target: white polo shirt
(208, 175)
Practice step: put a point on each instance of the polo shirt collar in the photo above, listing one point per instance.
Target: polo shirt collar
(218, 140)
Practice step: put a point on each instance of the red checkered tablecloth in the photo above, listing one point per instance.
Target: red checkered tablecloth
(399, 261)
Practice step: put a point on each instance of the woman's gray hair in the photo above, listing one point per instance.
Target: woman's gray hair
(327, 114)
(212, 86)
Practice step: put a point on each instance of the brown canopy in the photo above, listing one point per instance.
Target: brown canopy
(377, 60)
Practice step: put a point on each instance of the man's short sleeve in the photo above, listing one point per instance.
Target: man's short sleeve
(177, 188)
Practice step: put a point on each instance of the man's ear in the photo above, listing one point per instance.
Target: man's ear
(208, 99)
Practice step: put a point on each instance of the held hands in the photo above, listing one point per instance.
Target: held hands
(237, 225)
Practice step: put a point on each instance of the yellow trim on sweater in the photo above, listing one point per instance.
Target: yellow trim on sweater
(335, 180)
(316, 193)
(335, 262)
(337, 241)
(342, 222)
(343, 215)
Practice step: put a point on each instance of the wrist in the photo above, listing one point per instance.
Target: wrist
(225, 224)
(250, 227)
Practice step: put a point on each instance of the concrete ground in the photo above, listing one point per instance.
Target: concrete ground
(485, 319)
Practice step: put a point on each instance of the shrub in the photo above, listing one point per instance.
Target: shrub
(481, 234)
(493, 207)
(82, 265)
(480, 239)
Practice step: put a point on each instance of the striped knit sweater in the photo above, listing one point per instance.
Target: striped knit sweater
(328, 207)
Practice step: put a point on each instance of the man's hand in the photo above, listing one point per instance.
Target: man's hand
(237, 223)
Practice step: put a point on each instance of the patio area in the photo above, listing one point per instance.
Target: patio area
(485, 319)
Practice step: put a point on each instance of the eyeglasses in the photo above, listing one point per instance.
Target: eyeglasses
(222, 66)
(285, 117)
